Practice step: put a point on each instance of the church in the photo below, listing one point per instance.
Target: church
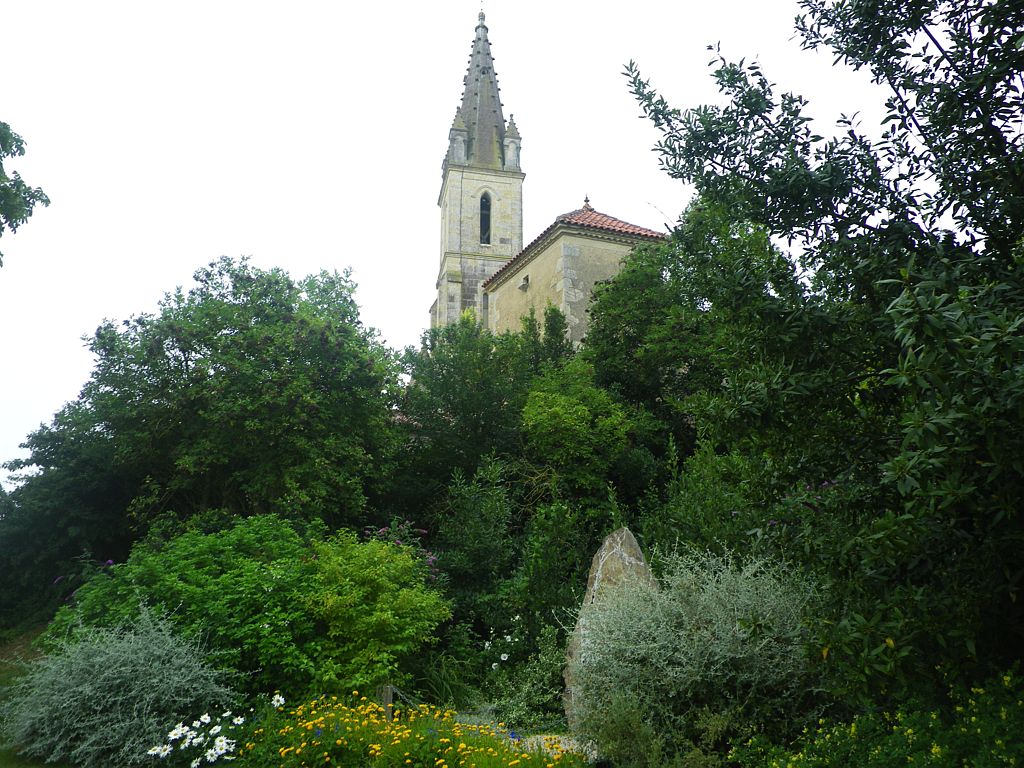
(484, 267)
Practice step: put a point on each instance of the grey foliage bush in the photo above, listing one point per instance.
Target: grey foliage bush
(109, 694)
(716, 644)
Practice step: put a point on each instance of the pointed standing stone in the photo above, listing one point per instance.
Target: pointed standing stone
(618, 560)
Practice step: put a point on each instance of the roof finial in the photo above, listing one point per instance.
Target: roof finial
(586, 203)
(481, 16)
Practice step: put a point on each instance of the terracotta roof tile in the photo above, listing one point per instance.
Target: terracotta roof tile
(588, 217)
(582, 217)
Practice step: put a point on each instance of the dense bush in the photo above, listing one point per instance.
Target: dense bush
(979, 726)
(717, 651)
(528, 695)
(289, 612)
(105, 696)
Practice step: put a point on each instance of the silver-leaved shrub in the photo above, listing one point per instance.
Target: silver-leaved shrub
(671, 673)
(105, 695)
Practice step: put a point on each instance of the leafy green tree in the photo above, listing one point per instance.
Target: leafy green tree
(17, 199)
(902, 351)
(466, 389)
(478, 537)
(250, 393)
(575, 429)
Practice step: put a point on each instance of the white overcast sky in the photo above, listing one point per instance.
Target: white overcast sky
(309, 135)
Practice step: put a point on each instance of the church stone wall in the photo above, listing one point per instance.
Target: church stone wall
(587, 261)
(563, 273)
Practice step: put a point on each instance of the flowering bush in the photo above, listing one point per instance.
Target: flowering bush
(982, 726)
(106, 695)
(501, 647)
(329, 731)
(404, 533)
(528, 693)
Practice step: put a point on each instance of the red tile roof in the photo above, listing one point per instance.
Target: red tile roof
(582, 217)
(588, 217)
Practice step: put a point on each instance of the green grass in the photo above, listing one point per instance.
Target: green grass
(8, 759)
(11, 653)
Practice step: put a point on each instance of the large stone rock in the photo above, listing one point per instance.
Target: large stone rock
(619, 559)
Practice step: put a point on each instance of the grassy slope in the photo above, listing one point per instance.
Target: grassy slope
(11, 652)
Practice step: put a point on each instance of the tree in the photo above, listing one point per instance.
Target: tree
(250, 393)
(17, 199)
(910, 248)
(466, 390)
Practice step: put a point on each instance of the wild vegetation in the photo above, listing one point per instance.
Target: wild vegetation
(806, 403)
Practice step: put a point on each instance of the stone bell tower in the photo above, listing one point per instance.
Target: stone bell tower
(481, 196)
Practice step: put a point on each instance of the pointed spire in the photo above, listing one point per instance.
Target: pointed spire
(481, 105)
(459, 123)
(511, 131)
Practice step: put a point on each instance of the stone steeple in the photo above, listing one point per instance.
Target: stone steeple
(480, 111)
(481, 196)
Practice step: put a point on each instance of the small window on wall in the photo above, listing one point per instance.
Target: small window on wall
(485, 219)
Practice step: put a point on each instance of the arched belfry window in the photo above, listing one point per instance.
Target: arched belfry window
(485, 219)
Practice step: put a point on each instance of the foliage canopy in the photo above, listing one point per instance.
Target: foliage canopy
(251, 393)
(875, 394)
(17, 199)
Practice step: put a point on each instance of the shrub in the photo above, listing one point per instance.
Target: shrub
(718, 649)
(979, 726)
(104, 697)
(373, 608)
(528, 695)
(290, 613)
